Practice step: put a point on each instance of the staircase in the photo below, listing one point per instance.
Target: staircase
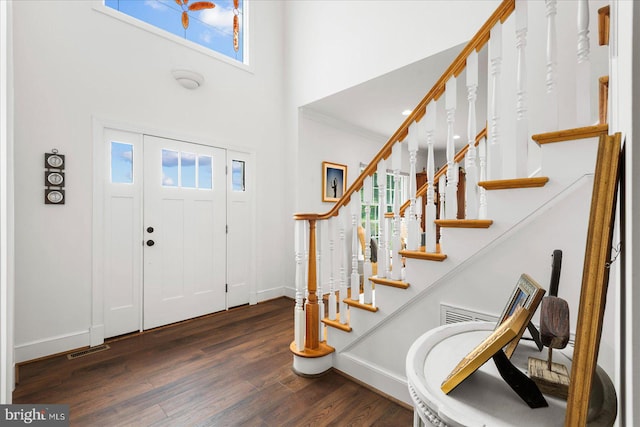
(529, 177)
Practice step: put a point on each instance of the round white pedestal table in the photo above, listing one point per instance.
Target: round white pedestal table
(484, 398)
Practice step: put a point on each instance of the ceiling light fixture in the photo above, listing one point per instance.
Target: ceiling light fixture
(406, 112)
(456, 136)
(188, 79)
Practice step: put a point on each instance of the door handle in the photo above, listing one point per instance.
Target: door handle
(150, 243)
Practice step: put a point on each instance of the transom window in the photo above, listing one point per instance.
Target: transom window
(217, 25)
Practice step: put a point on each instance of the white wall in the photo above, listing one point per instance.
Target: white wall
(73, 63)
(335, 45)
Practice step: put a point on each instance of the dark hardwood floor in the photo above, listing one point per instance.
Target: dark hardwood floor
(228, 369)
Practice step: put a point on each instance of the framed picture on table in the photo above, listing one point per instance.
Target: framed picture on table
(528, 294)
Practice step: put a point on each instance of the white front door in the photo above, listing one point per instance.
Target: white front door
(184, 229)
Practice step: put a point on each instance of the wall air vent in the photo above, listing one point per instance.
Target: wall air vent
(88, 351)
(450, 314)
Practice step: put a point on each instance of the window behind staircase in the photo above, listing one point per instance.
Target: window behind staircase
(374, 213)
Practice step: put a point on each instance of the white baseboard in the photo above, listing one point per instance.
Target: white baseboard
(268, 294)
(53, 345)
(375, 376)
(289, 292)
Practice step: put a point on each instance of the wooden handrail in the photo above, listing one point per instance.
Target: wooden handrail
(481, 38)
(457, 159)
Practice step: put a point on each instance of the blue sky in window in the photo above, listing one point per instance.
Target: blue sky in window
(188, 162)
(121, 163)
(211, 28)
(170, 168)
(237, 175)
(205, 172)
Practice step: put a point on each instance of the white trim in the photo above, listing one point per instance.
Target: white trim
(245, 65)
(7, 358)
(312, 365)
(52, 345)
(97, 241)
(374, 376)
(272, 293)
(289, 292)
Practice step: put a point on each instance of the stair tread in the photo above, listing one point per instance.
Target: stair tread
(389, 282)
(336, 323)
(430, 256)
(508, 184)
(353, 303)
(464, 223)
(571, 134)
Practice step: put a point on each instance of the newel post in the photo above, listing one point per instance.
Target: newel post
(311, 307)
(313, 356)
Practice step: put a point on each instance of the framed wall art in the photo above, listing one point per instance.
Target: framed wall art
(334, 181)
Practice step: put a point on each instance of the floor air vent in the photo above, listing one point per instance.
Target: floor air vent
(450, 314)
(87, 352)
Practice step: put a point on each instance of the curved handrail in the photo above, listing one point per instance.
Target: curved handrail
(503, 11)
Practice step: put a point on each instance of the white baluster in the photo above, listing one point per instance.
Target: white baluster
(471, 186)
(299, 318)
(343, 265)
(495, 149)
(396, 164)
(442, 185)
(551, 104)
(429, 224)
(451, 206)
(306, 232)
(583, 71)
(319, 290)
(355, 221)
(368, 268)
(388, 231)
(332, 291)
(383, 245)
(482, 154)
(522, 119)
(413, 226)
(419, 208)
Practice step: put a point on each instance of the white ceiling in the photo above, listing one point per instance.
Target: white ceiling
(376, 105)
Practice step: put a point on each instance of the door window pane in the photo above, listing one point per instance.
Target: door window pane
(204, 172)
(169, 168)
(237, 175)
(121, 163)
(188, 170)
